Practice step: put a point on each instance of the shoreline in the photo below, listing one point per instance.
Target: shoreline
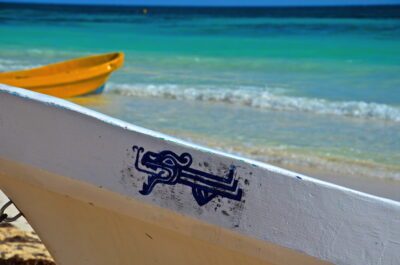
(376, 186)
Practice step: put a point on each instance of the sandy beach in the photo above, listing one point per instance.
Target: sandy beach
(19, 247)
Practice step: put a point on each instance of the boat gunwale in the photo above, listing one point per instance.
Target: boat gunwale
(64, 104)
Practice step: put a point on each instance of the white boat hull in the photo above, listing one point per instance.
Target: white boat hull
(80, 180)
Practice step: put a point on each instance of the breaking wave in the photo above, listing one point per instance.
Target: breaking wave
(263, 98)
(11, 65)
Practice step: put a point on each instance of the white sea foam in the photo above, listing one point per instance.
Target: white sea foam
(10, 65)
(264, 98)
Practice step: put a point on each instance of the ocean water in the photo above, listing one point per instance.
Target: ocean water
(311, 86)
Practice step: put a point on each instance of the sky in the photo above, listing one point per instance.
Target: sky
(214, 2)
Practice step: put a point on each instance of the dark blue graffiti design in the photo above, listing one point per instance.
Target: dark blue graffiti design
(169, 168)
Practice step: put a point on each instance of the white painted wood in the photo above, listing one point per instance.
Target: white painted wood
(69, 147)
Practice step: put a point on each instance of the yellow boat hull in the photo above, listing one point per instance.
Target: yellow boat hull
(67, 79)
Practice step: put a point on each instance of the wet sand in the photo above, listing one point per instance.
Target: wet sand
(389, 189)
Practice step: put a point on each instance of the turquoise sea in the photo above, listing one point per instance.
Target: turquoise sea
(311, 86)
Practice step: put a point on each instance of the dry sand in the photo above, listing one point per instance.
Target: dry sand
(11, 210)
(19, 247)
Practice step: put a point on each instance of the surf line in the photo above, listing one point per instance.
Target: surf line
(166, 167)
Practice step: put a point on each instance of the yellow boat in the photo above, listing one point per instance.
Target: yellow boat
(67, 79)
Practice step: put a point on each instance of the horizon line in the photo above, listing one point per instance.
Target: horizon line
(194, 5)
